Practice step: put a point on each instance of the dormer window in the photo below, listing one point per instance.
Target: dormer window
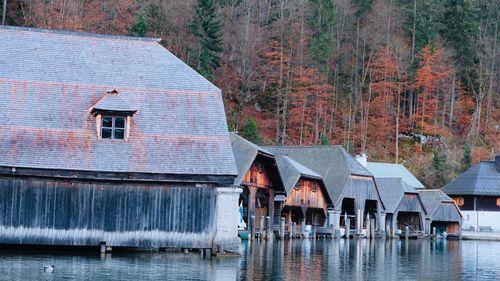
(113, 127)
(113, 116)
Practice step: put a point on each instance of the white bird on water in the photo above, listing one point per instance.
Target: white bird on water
(48, 268)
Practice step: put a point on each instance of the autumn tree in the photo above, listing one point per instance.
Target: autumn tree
(380, 103)
(433, 72)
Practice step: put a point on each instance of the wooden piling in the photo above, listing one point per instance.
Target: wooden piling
(269, 228)
(347, 228)
(407, 232)
(372, 229)
(261, 226)
(368, 227)
(282, 228)
(252, 227)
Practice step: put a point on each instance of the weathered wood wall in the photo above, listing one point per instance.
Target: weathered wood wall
(306, 193)
(71, 212)
(257, 175)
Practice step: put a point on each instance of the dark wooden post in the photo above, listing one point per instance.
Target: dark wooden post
(251, 210)
(271, 213)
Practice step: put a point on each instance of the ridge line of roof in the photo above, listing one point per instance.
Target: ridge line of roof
(79, 33)
(304, 146)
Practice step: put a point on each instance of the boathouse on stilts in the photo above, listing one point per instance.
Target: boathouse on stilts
(403, 207)
(443, 215)
(111, 140)
(350, 186)
(305, 209)
(260, 179)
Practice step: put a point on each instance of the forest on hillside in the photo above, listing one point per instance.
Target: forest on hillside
(405, 81)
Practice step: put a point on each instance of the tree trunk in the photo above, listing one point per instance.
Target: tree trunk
(452, 102)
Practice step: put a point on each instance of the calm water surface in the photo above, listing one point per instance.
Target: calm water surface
(289, 260)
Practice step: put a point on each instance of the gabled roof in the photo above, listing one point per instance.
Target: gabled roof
(481, 179)
(291, 171)
(389, 170)
(112, 102)
(50, 79)
(439, 206)
(332, 162)
(245, 153)
(392, 191)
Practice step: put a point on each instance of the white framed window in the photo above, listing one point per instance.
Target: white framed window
(113, 127)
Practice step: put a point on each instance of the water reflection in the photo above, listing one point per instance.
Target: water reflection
(355, 260)
(274, 260)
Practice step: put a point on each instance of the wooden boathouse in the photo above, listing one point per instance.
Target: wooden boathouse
(307, 201)
(442, 213)
(111, 140)
(477, 193)
(259, 176)
(350, 186)
(403, 207)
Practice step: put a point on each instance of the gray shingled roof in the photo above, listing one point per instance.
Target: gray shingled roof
(481, 179)
(291, 171)
(245, 153)
(50, 81)
(392, 191)
(82, 58)
(439, 206)
(113, 102)
(336, 167)
(389, 170)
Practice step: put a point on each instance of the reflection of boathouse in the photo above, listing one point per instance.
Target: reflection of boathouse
(259, 177)
(307, 200)
(442, 212)
(403, 206)
(350, 186)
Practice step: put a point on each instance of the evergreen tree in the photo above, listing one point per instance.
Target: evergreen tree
(140, 27)
(362, 6)
(428, 15)
(324, 140)
(439, 166)
(467, 158)
(460, 29)
(250, 131)
(207, 30)
(322, 23)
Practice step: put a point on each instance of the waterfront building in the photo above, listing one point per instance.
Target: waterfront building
(111, 140)
(259, 176)
(477, 194)
(350, 186)
(307, 201)
(403, 206)
(442, 213)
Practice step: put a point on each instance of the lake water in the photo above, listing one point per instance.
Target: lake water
(277, 260)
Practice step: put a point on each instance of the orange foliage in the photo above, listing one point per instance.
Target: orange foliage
(381, 100)
(432, 75)
(110, 16)
(310, 100)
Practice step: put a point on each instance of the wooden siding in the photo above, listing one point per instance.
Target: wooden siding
(306, 193)
(257, 175)
(65, 212)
